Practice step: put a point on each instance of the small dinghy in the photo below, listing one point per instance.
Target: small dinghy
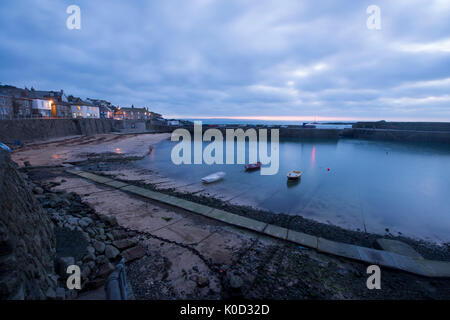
(294, 175)
(213, 177)
(253, 166)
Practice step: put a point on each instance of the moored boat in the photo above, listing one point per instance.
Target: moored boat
(294, 175)
(253, 166)
(213, 177)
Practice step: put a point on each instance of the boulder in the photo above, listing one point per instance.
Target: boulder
(202, 282)
(111, 252)
(105, 270)
(124, 243)
(85, 222)
(133, 253)
(99, 246)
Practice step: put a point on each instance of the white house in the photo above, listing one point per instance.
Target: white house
(41, 107)
(81, 111)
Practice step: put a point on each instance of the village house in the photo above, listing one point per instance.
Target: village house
(132, 114)
(83, 109)
(30, 103)
(6, 106)
(106, 109)
(21, 103)
(60, 107)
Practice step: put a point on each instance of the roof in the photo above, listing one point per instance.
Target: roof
(79, 102)
(134, 109)
(20, 93)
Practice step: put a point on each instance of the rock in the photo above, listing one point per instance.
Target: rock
(101, 260)
(119, 234)
(85, 222)
(90, 249)
(38, 190)
(195, 268)
(111, 220)
(236, 282)
(91, 232)
(105, 270)
(202, 282)
(89, 257)
(73, 221)
(27, 163)
(124, 243)
(86, 272)
(86, 236)
(91, 265)
(99, 246)
(133, 253)
(111, 252)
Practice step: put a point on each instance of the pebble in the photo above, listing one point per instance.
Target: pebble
(99, 246)
(111, 252)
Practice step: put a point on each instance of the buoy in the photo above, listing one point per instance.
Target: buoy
(328, 169)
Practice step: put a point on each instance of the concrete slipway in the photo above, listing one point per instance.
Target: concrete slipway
(406, 261)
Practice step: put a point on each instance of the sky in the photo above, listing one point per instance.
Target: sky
(313, 59)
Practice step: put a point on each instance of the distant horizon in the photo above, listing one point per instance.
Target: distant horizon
(293, 119)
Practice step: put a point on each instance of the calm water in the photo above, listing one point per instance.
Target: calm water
(371, 185)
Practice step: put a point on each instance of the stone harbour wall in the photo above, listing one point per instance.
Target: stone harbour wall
(40, 129)
(27, 242)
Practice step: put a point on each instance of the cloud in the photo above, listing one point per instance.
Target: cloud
(428, 47)
(237, 58)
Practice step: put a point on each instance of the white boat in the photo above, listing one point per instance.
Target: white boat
(213, 177)
(294, 175)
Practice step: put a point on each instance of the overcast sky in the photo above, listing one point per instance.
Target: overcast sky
(206, 58)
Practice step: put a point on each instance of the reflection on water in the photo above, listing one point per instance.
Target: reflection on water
(370, 184)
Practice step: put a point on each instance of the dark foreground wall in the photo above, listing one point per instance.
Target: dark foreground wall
(27, 241)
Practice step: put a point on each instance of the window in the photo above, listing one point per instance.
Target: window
(2, 101)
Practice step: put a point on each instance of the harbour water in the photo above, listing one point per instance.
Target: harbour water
(367, 185)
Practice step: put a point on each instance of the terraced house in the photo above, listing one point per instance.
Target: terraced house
(106, 108)
(6, 106)
(29, 103)
(132, 114)
(83, 109)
